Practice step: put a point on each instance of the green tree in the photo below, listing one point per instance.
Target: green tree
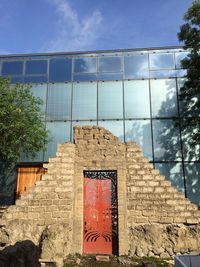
(21, 126)
(190, 91)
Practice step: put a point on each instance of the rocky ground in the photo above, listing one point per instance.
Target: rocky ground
(123, 261)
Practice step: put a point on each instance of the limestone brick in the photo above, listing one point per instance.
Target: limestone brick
(146, 200)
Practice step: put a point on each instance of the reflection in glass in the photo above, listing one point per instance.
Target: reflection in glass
(164, 98)
(136, 66)
(110, 100)
(163, 73)
(35, 79)
(84, 101)
(181, 73)
(161, 61)
(40, 90)
(139, 131)
(136, 99)
(38, 157)
(60, 70)
(85, 77)
(18, 79)
(36, 67)
(12, 67)
(180, 56)
(59, 101)
(192, 173)
(191, 151)
(115, 127)
(110, 76)
(166, 140)
(174, 173)
(110, 64)
(59, 133)
(85, 65)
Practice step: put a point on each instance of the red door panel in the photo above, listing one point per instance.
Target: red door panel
(98, 214)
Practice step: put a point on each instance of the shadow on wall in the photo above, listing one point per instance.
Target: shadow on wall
(22, 254)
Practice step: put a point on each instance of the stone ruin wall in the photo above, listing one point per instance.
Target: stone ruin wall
(154, 219)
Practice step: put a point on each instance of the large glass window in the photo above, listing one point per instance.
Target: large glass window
(40, 90)
(161, 60)
(173, 172)
(139, 131)
(60, 70)
(115, 127)
(36, 67)
(110, 64)
(166, 140)
(84, 101)
(35, 79)
(180, 56)
(164, 98)
(12, 68)
(163, 73)
(110, 100)
(85, 65)
(136, 99)
(192, 172)
(59, 101)
(59, 133)
(136, 66)
(191, 151)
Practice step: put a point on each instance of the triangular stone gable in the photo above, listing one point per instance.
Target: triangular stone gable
(144, 196)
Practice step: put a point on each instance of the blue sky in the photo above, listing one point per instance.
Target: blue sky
(35, 26)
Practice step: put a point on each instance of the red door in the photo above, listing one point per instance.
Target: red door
(100, 222)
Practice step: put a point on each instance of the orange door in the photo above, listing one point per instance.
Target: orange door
(100, 222)
(27, 177)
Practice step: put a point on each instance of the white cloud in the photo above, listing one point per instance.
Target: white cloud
(74, 33)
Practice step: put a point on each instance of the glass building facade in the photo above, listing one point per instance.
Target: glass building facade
(132, 93)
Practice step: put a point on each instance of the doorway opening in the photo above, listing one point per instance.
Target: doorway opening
(100, 213)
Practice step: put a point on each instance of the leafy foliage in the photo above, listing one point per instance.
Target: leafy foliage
(190, 91)
(21, 126)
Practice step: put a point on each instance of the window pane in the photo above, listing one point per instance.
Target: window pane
(85, 65)
(12, 68)
(110, 76)
(59, 101)
(136, 66)
(166, 140)
(110, 64)
(139, 131)
(174, 173)
(163, 74)
(191, 152)
(161, 61)
(35, 79)
(192, 172)
(40, 90)
(136, 99)
(16, 79)
(38, 158)
(85, 101)
(85, 77)
(180, 56)
(59, 134)
(110, 100)
(36, 67)
(60, 70)
(115, 127)
(164, 98)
